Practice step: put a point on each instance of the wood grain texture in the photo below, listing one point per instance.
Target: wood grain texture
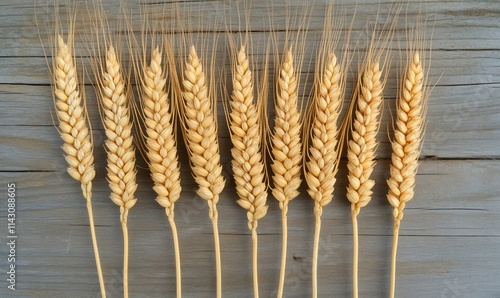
(449, 237)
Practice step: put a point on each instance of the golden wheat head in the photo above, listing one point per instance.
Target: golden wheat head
(160, 143)
(73, 125)
(362, 145)
(118, 127)
(201, 131)
(321, 167)
(247, 163)
(286, 143)
(407, 139)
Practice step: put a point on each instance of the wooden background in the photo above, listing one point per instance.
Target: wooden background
(450, 236)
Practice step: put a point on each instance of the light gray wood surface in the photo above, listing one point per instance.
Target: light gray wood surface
(450, 236)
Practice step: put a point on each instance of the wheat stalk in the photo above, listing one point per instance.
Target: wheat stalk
(406, 145)
(286, 148)
(366, 107)
(247, 163)
(361, 149)
(161, 146)
(323, 135)
(200, 127)
(322, 153)
(119, 145)
(76, 134)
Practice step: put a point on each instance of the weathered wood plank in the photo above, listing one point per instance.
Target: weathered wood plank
(456, 22)
(445, 223)
(449, 68)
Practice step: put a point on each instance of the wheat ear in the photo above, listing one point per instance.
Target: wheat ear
(119, 146)
(361, 149)
(286, 148)
(75, 132)
(406, 145)
(322, 155)
(201, 135)
(161, 146)
(247, 164)
(362, 144)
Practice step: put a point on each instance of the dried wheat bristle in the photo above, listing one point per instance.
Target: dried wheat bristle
(247, 162)
(73, 125)
(160, 143)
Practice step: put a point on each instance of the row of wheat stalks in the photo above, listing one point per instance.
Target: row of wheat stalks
(309, 143)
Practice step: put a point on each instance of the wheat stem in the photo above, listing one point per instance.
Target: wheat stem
(125, 255)
(254, 263)
(283, 250)
(393, 257)
(94, 244)
(218, 268)
(178, 277)
(317, 228)
(354, 255)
